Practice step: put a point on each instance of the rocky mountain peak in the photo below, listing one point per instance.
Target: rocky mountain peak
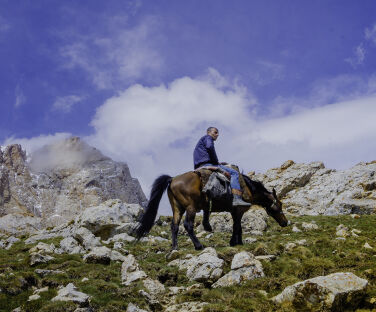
(14, 158)
(60, 180)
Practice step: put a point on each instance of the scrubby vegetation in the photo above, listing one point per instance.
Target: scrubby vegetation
(321, 255)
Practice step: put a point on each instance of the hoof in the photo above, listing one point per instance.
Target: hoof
(208, 228)
(200, 247)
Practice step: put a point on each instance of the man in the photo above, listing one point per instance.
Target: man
(205, 155)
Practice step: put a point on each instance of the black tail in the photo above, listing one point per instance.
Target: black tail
(148, 217)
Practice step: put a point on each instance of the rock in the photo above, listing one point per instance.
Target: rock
(309, 226)
(289, 176)
(192, 306)
(204, 267)
(71, 293)
(40, 290)
(120, 237)
(19, 309)
(244, 267)
(154, 287)
(333, 292)
(295, 229)
(117, 256)
(290, 246)
(130, 271)
(85, 279)
(98, 255)
(33, 297)
(43, 248)
(44, 273)
(153, 239)
(266, 258)
(311, 189)
(367, 246)
(36, 258)
(133, 308)
(102, 220)
(172, 255)
(86, 238)
(19, 224)
(355, 232)
(58, 182)
(71, 246)
(249, 240)
(342, 231)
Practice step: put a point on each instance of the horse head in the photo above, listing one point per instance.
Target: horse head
(273, 207)
(269, 200)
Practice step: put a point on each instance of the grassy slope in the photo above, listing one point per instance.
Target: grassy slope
(322, 256)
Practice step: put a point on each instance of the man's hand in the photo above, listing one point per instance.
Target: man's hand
(223, 163)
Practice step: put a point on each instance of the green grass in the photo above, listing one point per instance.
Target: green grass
(322, 255)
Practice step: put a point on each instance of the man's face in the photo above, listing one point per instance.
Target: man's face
(213, 133)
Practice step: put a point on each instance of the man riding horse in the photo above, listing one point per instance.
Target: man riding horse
(204, 155)
(186, 197)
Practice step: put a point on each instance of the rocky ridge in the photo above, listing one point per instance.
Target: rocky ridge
(312, 189)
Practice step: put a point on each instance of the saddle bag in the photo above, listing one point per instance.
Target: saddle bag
(218, 189)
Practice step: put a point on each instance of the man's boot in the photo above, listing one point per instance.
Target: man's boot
(237, 199)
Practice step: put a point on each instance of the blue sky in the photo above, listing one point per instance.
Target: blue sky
(81, 67)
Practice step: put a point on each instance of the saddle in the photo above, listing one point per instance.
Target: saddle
(216, 185)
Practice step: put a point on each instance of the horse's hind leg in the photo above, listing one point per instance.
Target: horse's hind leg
(205, 221)
(176, 218)
(189, 226)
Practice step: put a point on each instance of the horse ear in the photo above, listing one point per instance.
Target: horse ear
(274, 193)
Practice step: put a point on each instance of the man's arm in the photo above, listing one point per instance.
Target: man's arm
(209, 144)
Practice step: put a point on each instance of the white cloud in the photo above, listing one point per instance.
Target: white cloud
(370, 33)
(20, 97)
(359, 56)
(35, 143)
(65, 103)
(123, 56)
(155, 129)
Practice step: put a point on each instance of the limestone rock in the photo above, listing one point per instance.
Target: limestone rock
(133, 308)
(103, 219)
(244, 267)
(43, 248)
(154, 287)
(309, 226)
(333, 292)
(130, 271)
(204, 267)
(54, 184)
(192, 306)
(342, 231)
(37, 258)
(44, 273)
(98, 255)
(71, 246)
(71, 293)
(312, 189)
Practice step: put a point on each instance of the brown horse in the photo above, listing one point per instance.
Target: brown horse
(185, 195)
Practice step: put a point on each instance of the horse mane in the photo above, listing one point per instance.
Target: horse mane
(255, 186)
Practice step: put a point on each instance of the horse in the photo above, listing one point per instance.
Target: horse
(185, 195)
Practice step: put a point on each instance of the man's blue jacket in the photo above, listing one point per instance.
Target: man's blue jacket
(204, 152)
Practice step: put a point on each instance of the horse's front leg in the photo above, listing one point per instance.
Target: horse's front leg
(189, 226)
(205, 221)
(236, 238)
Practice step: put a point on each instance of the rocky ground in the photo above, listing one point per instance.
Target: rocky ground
(320, 263)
